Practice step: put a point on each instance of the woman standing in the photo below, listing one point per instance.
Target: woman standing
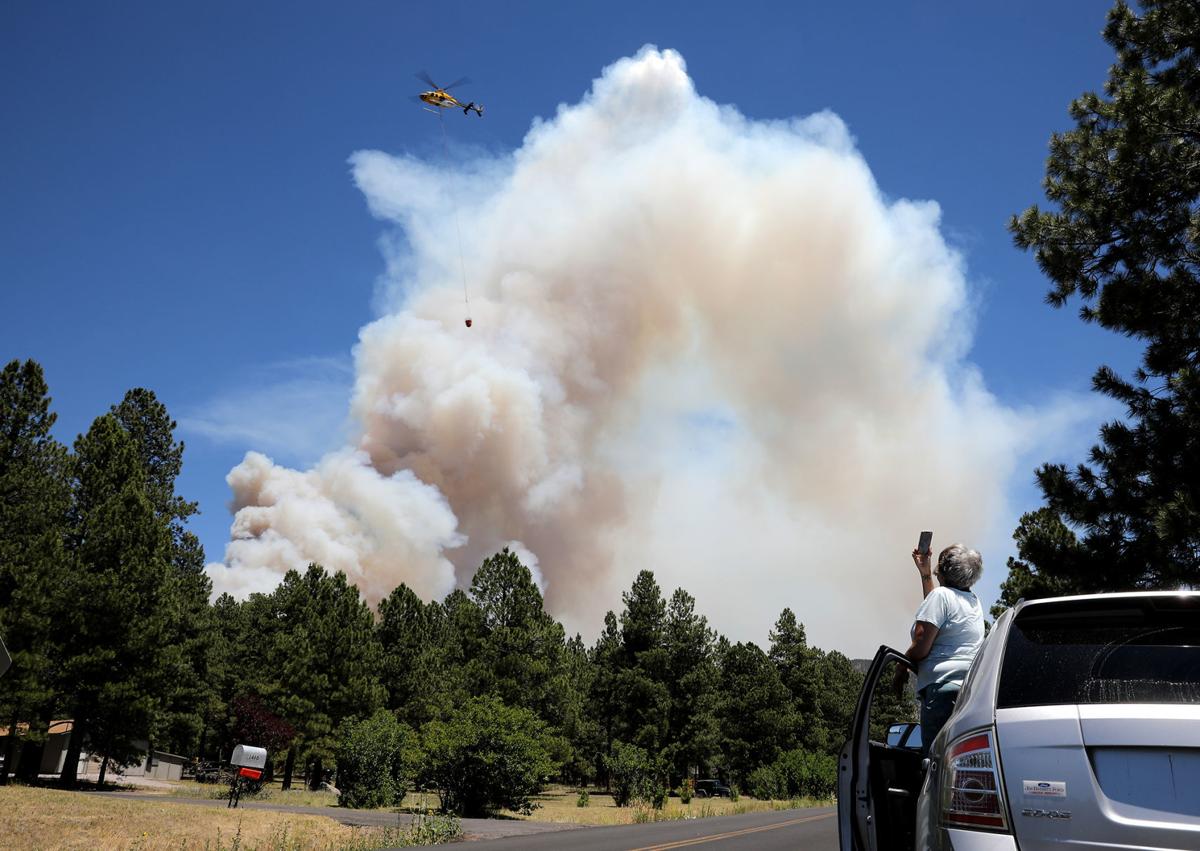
(946, 633)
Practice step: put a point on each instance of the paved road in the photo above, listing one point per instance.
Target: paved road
(793, 830)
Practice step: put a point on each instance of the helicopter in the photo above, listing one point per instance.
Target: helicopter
(440, 96)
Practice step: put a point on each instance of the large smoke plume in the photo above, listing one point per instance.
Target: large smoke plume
(702, 344)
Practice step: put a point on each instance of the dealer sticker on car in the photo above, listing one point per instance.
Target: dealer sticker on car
(1045, 788)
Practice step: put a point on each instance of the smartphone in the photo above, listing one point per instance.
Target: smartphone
(924, 542)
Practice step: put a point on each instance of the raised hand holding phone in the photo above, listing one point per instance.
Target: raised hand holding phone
(922, 557)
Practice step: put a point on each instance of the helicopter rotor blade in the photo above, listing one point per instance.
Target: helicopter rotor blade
(425, 78)
(461, 81)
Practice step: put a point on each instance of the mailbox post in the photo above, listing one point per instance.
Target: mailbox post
(250, 763)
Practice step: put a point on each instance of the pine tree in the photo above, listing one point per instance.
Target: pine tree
(642, 679)
(520, 646)
(605, 703)
(1125, 238)
(693, 732)
(190, 696)
(115, 656)
(420, 682)
(34, 499)
(799, 668)
(463, 641)
(227, 667)
(152, 430)
(577, 724)
(838, 700)
(320, 664)
(757, 722)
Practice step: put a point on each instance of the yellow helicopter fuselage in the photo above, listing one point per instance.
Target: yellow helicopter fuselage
(440, 98)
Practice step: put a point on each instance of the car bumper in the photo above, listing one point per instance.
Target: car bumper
(978, 840)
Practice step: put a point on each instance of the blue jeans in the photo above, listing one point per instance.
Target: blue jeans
(937, 702)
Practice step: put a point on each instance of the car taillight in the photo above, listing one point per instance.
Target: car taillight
(972, 796)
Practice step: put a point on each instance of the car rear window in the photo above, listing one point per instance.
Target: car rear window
(1136, 650)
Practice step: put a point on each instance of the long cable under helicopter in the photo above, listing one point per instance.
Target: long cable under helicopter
(462, 263)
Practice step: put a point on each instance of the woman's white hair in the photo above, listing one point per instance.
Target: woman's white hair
(959, 567)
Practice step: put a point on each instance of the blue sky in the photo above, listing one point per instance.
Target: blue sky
(178, 211)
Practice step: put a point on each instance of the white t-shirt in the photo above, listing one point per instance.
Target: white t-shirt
(958, 616)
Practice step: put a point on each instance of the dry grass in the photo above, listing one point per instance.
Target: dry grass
(558, 804)
(32, 819)
(297, 796)
(294, 797)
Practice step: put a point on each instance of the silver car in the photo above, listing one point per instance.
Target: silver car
(1078, 727)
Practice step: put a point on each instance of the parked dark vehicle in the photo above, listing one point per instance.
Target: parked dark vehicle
(1078, 726)
(211, 772)
(711, 789)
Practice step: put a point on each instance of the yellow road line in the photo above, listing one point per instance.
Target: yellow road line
(714, 837)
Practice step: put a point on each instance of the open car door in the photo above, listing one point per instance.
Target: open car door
(878, 783)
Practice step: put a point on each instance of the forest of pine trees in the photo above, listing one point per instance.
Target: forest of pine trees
(106, 610)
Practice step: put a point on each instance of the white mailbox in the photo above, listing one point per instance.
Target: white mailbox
(247, 756)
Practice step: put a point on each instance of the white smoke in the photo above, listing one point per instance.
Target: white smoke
(701, 344)
(343, 515)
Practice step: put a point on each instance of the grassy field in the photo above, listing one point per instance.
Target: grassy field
(32, 819)
(559, 804)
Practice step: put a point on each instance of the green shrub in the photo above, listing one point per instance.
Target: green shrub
(796, 773)
(584, 798)
(486, 756)
(733, 793)
(686, 790)
(635, 775)
(821, 778)
(766, 783)
(374, 759)
(426, 828)
(656, 794)
(429, 828)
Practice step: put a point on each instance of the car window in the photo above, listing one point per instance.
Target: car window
(1138, 650)
(905, 736)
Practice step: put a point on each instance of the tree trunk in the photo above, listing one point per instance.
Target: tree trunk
(288, 768)
(10, 754)
(316, 772)
(103, 770)
(30, 761)
(10, 751)
(70, 772)
(149, 759)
